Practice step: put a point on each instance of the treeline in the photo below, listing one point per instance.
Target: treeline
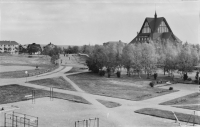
(86, 49)
(144, 57)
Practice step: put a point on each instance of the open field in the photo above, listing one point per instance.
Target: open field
(191, 107)
(21, 73)
(14, 93)
(14, 66)
(169, 115)
(193, 98)
(57, 82)
(109, 104)
(94, 84)
(24, 60)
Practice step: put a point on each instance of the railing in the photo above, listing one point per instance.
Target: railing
(91, 122)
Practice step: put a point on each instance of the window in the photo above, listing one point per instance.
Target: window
(162, 28)
(146, 28)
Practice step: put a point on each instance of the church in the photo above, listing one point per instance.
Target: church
(155, 28)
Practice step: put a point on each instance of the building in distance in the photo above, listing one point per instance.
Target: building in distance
(155, 28)
(9, 47)
(113, 42)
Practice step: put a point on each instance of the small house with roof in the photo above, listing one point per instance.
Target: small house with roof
(50, 46)
(9, 47)
(155, 28)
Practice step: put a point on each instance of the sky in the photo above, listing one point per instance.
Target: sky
(80, 22)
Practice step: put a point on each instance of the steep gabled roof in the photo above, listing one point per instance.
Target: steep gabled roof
(154, 23)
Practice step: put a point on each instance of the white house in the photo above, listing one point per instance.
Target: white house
(9, 47)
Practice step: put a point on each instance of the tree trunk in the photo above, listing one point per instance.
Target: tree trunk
(147, 75)
(139, 74)
(164, 70)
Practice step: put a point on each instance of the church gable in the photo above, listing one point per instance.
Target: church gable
(146, 28)
(162, 28)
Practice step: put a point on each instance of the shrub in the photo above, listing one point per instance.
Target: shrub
(170, 88)
(118, 74)
(152, 84)
(196, 81)
(109, 75)
(185, 76)
(159, 82)
(189, 79)
(102, 72)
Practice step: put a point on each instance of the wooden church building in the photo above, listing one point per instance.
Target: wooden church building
(155, 28)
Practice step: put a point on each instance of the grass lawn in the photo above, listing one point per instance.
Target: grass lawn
(80, 59)
(191, 107)
(14, 93)
(24, 59)
(142, 80)
(43, 62)
(57, 82)
(109, 104)
(169, 115)
(76, 69)
(193, 98)
(21, 73)
(94, 84)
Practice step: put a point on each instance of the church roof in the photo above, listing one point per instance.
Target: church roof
(154, 23)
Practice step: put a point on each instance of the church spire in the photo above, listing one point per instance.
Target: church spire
(155, 16)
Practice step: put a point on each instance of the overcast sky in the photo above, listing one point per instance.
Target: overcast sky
(79, 22)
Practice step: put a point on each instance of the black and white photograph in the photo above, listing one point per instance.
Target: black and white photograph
(99, 63)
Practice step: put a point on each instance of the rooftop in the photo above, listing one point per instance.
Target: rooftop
(4, 42)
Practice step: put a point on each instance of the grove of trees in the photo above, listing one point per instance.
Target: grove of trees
(144, 57)
(85, 49)
(52, 52)
(34, 48)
